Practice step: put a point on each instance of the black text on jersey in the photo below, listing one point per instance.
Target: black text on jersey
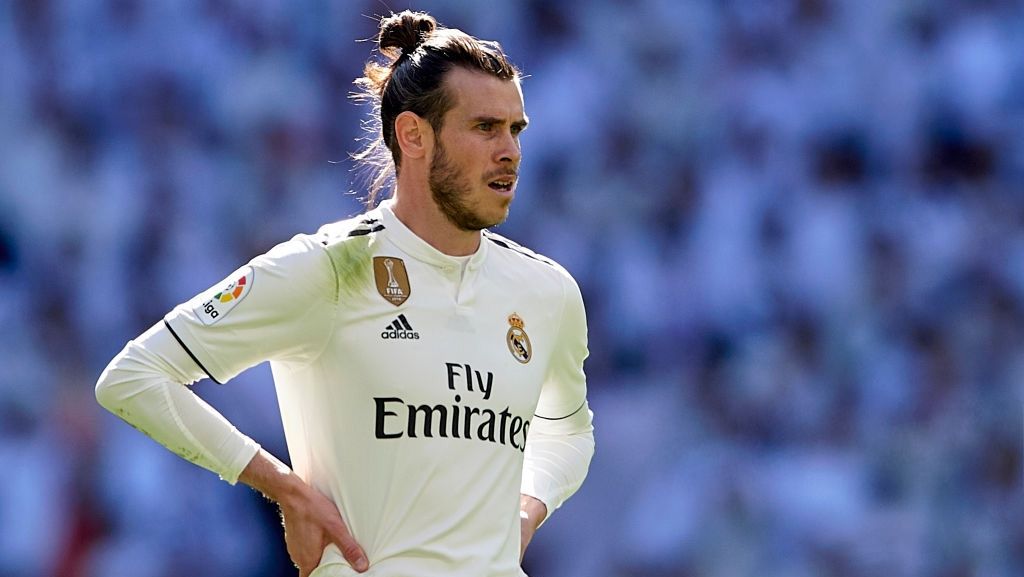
(399, 329)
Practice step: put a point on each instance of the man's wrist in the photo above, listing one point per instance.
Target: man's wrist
(534, 509)
(272, 478)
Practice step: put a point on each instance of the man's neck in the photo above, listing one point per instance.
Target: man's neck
(426, 221)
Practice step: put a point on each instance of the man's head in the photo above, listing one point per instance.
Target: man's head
(465, 93)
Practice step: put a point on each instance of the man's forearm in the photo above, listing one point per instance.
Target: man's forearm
(557, 457)
(143, 386)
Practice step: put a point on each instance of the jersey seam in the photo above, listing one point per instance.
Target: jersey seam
(519, 249)
(375, 228)
(337, 309)
(190, 353)
(578, 409)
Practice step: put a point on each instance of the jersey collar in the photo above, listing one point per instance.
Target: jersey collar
(420, 249)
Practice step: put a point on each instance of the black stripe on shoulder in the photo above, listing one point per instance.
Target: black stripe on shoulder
(519, 249)
(363, 231)
(193, 357)
(565, 417)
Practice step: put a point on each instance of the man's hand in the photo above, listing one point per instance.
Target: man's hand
(531, 512)
(311, 520)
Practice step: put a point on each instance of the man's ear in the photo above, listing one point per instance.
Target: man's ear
(414, 135)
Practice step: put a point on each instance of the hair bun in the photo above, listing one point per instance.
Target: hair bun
(402, 33)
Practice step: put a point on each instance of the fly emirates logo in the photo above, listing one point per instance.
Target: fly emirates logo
(459, 420)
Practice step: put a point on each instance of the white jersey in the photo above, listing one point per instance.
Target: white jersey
(408, 382)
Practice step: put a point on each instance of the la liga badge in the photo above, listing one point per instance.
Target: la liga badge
(216, 303)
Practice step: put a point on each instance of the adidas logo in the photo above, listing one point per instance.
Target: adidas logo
(399, 329)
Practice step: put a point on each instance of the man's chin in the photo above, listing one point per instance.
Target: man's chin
(500, 219)
(479, 225)
(503, 211)
(490, 219)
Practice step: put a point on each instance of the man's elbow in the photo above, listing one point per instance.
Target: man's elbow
(120, 381)
(107, 390)
(126, 376)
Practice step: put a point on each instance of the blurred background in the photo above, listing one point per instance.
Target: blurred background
(798, 226)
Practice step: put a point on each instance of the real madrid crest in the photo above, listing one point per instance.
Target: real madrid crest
(517, 339)
(392, 279)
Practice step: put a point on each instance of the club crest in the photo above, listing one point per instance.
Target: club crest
(517, 339)
(392, 279)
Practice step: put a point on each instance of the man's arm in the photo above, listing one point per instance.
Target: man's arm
(146, 386)
(561, 439)
(558, 454)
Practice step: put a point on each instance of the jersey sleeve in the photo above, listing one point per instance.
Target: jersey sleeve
(281, 306)
(145, 384)
(565, 386)
(561, 439)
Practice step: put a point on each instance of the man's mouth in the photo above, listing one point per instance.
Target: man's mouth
(502, 185)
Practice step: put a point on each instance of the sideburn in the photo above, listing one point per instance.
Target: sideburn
(450, 190)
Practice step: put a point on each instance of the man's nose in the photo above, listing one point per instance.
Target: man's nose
(509, 149)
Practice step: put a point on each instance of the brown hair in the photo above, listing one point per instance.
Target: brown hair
(419, 54)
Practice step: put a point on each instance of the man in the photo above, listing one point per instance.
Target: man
(427, 370)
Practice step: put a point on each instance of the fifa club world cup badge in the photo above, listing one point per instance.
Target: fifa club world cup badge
(517, 339)
(392, 279)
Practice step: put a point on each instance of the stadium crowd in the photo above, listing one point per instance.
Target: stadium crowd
(798, 227)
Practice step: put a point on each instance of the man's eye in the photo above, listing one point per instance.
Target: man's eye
(485, 126)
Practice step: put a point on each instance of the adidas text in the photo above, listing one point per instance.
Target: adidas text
(399, 329)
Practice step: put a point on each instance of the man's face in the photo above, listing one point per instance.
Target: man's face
(476, 157)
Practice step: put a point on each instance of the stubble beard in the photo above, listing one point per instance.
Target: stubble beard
(451, 192)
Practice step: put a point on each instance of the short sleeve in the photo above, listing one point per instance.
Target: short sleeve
(281, 306)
